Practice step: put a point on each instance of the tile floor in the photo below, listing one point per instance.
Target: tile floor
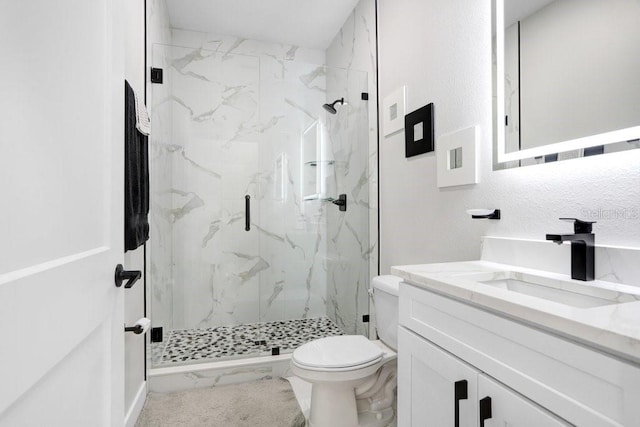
(198, 345)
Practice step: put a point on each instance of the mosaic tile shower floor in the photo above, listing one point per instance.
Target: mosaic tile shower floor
(198, 345)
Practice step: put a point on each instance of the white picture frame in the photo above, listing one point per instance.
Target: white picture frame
(394, 108)
(456, 158)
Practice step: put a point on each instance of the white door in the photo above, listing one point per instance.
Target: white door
(433, 385)
(61, 194)
(510, 409)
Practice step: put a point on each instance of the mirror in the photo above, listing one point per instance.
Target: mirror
(566, 79)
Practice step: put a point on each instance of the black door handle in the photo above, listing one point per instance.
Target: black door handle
(131, 276)
(485, 410)
(459, 393)
(247, 212)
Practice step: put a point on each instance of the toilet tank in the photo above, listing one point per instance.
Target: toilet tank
(385, 300)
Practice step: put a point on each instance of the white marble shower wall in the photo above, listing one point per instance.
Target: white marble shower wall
(236, 113)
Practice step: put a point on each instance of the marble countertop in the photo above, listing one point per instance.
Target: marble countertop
(613, 328)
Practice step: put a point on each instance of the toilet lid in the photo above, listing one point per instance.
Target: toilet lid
(337, 352)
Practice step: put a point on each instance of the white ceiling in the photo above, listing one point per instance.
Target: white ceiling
(306, 23)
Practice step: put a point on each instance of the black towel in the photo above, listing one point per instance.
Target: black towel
(136, 177)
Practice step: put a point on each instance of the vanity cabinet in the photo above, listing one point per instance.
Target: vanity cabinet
(438, 389)
(505, 407)
(532, 377)
(434, 386)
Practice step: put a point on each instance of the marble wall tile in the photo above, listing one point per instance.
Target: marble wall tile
(612, 264)
(234, 45)
(165, 380)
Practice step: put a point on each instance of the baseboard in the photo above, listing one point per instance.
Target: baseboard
(213, 374)
(136, 407)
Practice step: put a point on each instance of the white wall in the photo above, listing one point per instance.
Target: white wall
(134, 260)
(442, 51)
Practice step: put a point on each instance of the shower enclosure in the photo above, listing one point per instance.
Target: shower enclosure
(250, 252)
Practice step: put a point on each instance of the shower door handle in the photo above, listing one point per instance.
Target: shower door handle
(247, 212)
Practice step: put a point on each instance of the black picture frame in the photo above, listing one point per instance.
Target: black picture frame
(426, 144)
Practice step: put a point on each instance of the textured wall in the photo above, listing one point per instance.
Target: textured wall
(442, 52)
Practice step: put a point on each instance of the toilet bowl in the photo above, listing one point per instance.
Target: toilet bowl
(353, 378)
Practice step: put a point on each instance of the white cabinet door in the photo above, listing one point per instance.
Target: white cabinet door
(507, 408)
(61, 209)
(433, 385)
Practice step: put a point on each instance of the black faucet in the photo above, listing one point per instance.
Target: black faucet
(582, 248)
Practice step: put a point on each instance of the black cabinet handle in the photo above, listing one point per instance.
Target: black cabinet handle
(247, 212)
(131, 276)
(485, 410)
(459, 393)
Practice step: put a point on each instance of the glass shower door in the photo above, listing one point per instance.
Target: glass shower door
(348, 243)
(205, 263)
(318, 255)
(248, 253)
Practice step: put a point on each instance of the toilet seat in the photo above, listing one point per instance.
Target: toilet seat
(337, 354)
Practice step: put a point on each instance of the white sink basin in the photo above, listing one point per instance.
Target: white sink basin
(564, 292)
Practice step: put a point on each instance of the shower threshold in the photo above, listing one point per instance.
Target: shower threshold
(188, 346)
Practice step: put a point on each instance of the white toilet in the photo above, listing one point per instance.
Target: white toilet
(354, 379)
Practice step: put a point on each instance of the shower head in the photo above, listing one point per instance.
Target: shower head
(331, 107)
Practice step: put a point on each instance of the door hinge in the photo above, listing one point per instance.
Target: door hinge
(156, 75)
(156, 334)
